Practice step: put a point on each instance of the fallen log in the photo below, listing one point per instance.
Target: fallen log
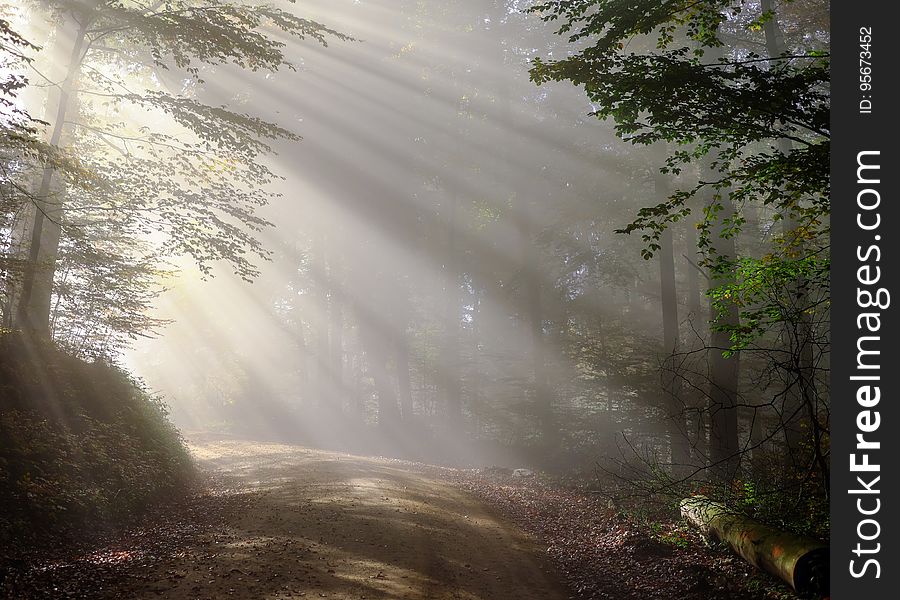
(800, 561)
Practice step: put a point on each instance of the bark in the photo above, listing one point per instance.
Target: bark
(357, 399)
(34, 302)
(302, 353)
(449, 370)
(757, 438)
(798, 335)
(680, 451)
(606, 361)
(694, 298)
(697, 425)
(376, 357)
(336, 332)
(542, 399)
(404, 384)
(388, 415)
(724, 373)
(799, 561)
(474, 387)
(322, 374)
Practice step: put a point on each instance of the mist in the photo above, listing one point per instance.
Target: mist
(547, 248)
(442, 252)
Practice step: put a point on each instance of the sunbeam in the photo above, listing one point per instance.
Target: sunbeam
(414, 298)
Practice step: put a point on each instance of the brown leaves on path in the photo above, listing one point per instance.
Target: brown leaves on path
(605, 555)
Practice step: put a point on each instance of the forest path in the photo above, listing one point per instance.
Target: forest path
(330, 525)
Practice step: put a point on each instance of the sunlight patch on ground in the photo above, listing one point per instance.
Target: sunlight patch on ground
(390, 579)
(354, 527)
(237, 449)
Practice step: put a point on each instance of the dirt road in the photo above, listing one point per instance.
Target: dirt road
(328, 525)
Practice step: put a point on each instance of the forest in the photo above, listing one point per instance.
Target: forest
(408, 299)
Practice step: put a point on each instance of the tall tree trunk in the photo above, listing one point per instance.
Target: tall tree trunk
(449, 365)
(356, 368)
(676, 413)
(388, 415)
(606, 361)
(542, 397)
(336, 332)
(697, 421)
(33, 311)
(605, 422)
(321, 383)
(757, 443)
(692, 270)
(303, 354)
(404, 384)
(377, 360)
(797, 335)
(724, 372)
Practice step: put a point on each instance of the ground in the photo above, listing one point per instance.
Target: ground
(275, 522)
(285, 522)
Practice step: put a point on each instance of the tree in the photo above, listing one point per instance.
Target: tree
(197, 179)
(733, 107)
(21, 152)
(724, 104)
(674, 402)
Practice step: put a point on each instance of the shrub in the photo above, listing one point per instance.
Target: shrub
(82, 445)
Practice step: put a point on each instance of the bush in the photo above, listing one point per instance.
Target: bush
(82, 445)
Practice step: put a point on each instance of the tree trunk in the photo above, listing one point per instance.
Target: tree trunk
(322, 354)
(797, 335)
(404, 384)
(449, 368)
(757, 443)
(694, 298)
(357, 400)
(606, 361)
(542, 399)
(336, 333)
(376, 357)
(697, 422)
(680, 451)
(724, 372)
(303, 354)
(799, 561)
(33, 310)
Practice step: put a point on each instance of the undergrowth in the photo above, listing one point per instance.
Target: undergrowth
(83, 447)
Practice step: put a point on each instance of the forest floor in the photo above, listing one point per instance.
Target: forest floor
(607, 553)
(284, 522)
(280, 522)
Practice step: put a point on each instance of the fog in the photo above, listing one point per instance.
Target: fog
(314, 251)
(442, 251)
(373, 231)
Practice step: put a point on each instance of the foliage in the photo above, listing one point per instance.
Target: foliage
(725, 106)
(779, 503)
(160, 156)
(81, 444)
(771, 291)
(13, 46)
(674, 534)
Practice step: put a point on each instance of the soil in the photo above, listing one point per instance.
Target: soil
(284, 522)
